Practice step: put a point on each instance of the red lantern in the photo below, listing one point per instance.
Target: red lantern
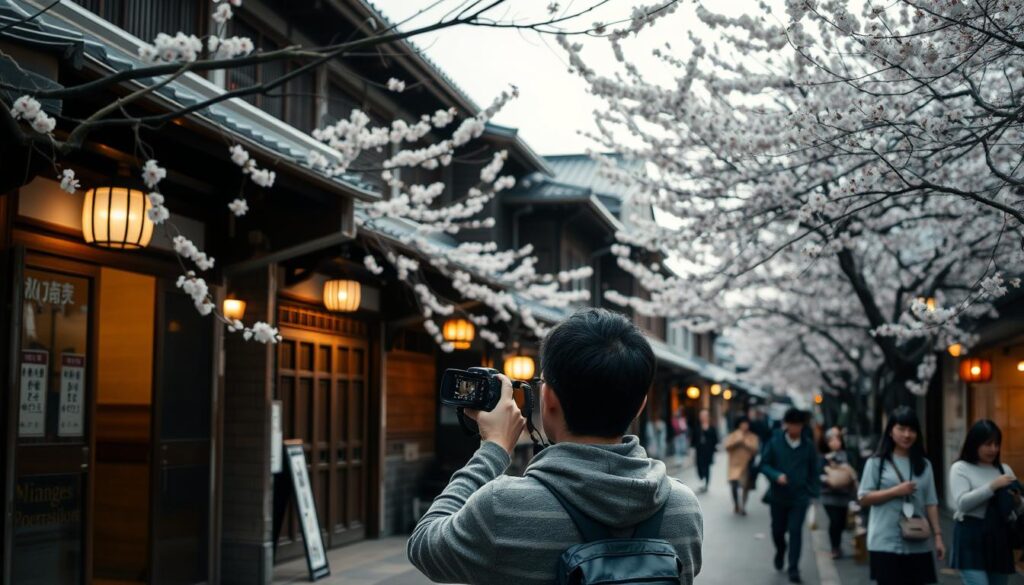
(976, 370)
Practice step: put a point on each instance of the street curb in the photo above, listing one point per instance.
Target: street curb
(827, 571)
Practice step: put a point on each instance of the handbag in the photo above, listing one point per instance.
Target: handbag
(914, 528)
(839, 477)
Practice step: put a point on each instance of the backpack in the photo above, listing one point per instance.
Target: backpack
(603, 559)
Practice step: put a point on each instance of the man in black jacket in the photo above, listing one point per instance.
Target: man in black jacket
(790, 462)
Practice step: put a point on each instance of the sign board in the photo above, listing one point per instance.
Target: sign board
(35, 371)
(305, 509)
(72, 395)
(276, 437)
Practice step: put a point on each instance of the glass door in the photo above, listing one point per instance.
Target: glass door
(51, 417)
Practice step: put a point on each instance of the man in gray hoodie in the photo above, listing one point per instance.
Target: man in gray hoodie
(487, 527)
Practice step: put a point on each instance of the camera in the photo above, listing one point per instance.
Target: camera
(475, 388)
(480, 389)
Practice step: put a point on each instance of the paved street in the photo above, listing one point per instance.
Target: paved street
(736, 549)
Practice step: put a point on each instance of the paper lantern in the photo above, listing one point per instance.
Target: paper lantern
(818, 399)
(955, 350)
(342, 295)
(1020, 366)
(234, 309)
(519, 367)
(716, 389)
(115, 217)
(975, 370)
(459, 332)
(693, 393)
(727, 394)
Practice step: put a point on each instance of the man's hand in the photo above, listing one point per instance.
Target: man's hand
(505, 423)
(782, 480)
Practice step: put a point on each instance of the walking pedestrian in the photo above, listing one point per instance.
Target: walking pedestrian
(705, 443)
(839, 486)
(681, 434)
(898, 486)
(742, 445)
(790, 461)
(986, 496)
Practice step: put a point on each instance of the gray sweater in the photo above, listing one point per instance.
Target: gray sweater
(491, 528)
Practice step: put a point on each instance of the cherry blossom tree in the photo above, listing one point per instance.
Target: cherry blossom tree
(501, 281)
(858, 173)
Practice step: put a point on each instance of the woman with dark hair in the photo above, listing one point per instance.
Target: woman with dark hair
(898, 487)
(987, 496)
(742, 445)
(705, 443)
(838, 486)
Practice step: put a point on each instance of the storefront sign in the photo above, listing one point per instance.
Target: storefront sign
(50, 292)
(32, 407)
(305, 509)
(72, 395)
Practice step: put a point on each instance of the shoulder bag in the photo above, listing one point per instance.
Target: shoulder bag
(914, 528)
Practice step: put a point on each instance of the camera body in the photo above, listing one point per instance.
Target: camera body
(474, 388)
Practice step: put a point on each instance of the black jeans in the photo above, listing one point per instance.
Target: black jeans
(789, 518)
(739, 493)
(837, 517)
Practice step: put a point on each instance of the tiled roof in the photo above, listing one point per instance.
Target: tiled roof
(116, 49)
(583, 171)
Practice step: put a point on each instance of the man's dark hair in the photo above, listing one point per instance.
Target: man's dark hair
(795, 416)
(600, 366)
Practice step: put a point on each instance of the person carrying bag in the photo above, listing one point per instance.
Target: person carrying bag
(899, 492)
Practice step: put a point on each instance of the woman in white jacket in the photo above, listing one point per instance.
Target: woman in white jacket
(981, 541)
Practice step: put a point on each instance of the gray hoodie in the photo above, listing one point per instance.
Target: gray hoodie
(491, 528)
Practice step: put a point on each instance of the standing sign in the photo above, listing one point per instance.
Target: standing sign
(72, 383)
(32, 408)
(276, 438)
(305, 509)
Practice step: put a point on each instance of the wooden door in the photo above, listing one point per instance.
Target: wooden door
(183, 395)
(323, 386)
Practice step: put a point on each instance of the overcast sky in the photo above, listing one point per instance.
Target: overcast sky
(554, 105)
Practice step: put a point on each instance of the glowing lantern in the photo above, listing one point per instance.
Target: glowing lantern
(716, 389)
(727, 394)
(234, 309)
(1020, 366)
(975, 370)
(519, 367)
(115, 217)
(342, 295)
(459, 332)
(929, 302)
(818, 399)
(955, 350)
(693, 393)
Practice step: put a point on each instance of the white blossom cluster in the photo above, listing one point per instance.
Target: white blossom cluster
(29, 109)
(815, 176)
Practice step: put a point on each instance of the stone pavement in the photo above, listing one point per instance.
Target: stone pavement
(737, 550)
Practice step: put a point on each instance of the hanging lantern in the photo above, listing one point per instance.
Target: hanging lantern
(716, 389)
(819, 399)
(955, 350)
(929, 303)
(342, 295)
(459, 332)
(234, 309)
(975, 370)
(693, 393)
(115, 217)
(1020, 366)
(727, 395)
(519, 367)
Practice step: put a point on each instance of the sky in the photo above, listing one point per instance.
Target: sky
(554, 106)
